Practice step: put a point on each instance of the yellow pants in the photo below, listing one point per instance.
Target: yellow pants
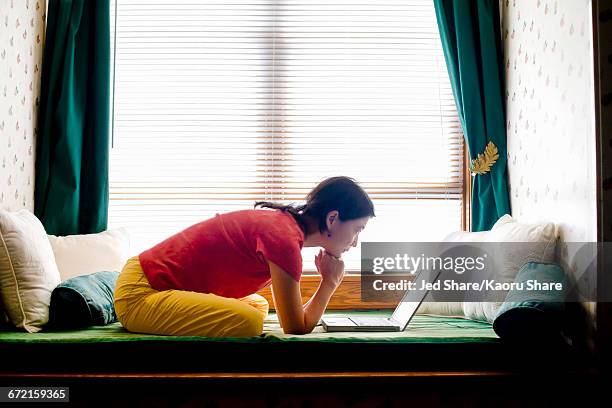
(142, 309)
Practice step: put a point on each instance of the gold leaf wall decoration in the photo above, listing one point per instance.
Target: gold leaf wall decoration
(483, 162)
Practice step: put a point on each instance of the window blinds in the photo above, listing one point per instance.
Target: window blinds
(218, 104)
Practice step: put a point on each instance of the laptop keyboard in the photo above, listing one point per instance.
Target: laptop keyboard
(372, 321)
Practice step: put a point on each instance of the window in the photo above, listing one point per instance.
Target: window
(218, 104)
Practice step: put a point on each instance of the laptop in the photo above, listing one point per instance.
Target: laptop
(397, 322)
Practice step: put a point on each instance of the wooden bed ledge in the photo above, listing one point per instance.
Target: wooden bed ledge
(254, 375)
(276, 375)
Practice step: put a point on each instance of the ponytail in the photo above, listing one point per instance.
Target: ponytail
(296, 211)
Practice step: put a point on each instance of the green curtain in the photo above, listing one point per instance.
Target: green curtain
(470, 34)
(71, 189)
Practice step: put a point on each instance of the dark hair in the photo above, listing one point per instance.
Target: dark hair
(339, 193)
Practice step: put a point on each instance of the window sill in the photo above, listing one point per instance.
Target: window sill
(347, 296)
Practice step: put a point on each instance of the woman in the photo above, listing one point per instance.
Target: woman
(203, 280)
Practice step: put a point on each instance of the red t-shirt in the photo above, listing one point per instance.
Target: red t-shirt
(226, 254)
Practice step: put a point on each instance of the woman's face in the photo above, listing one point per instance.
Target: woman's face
(344, 234)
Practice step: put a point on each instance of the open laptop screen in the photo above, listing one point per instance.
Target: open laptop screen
(413, 298)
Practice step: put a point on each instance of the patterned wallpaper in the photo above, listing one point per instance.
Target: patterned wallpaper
(550, 110)
(22, 24)
(548, 62)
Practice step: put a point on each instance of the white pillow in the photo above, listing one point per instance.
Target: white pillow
(28, 273)
(77, 255)
(508, 260)
(451, 308)
(466, 236)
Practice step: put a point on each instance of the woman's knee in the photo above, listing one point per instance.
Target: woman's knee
(245, 323)
(258, 302)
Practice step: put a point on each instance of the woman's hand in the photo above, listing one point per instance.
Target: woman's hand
(330, 268)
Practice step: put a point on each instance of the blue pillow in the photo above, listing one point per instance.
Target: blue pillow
(533, 313)
(83, 301)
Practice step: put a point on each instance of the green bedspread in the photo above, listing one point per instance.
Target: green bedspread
(422, 329)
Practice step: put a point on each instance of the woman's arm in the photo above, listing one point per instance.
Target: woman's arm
(294, 317)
